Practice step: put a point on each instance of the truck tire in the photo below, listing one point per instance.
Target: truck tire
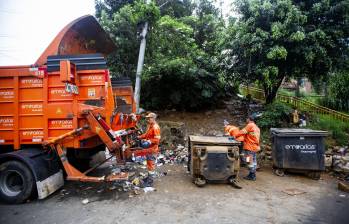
(16, 182)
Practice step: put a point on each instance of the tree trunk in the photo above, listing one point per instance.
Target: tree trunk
(271, 91)
(298, 92)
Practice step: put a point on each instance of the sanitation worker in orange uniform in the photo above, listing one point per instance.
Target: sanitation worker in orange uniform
(251, 134)
(150, 142)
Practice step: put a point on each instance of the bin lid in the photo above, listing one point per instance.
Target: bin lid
(297, 132)
(213, 140)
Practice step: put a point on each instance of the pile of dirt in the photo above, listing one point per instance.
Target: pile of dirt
(201, 123)
(172, 134)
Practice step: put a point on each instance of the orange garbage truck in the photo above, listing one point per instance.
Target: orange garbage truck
(58, 112)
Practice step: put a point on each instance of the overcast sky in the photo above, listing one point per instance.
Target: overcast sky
(27, 27)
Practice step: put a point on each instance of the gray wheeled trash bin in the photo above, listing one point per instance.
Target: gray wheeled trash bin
(298, 150)
(213, 159)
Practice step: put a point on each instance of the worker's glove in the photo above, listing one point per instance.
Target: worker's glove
(145, 144)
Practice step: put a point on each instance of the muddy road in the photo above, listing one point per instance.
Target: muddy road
(177, 200)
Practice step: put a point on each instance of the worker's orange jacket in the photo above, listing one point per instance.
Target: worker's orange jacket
(251, 135)
(234, 131)
(153, 135)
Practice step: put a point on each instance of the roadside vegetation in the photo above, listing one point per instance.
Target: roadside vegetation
(338, 130)
(279, 115)
(196, 57)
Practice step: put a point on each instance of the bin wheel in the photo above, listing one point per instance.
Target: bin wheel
(314, 175)
(16, 182)
(233, 182)
(200, 181)
(279, 172)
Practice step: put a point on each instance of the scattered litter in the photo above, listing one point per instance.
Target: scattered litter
(85, 201)
(293, 191)
(116, 170)
(148, 189)
(136, 181)
(179, 155)
(112, 187)
(342, 195)
(100, 191)
(88, 188)
(343, 186)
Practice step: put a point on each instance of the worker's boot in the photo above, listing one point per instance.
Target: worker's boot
(250, 176)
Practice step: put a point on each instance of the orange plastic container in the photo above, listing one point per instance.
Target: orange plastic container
(35, 106)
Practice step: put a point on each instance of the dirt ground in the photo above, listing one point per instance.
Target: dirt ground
(204, 123)
(178, 200)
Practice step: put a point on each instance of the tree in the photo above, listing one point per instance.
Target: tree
(176, 8)
(179, 68)
(174, 76)
(110, 6)
(338, 92)
(124, 27)
(275, 39)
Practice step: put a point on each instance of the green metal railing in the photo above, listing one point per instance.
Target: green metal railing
(258, 94)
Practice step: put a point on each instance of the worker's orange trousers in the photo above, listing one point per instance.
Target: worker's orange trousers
(151, 154)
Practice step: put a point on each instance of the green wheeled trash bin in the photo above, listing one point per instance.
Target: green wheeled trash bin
(298, 150)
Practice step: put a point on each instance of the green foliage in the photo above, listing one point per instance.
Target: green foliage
(277, 52)
(180, 68)
(176, 8)
(178, 77)
(338, 92)
(275, 115)
(338, 129)
(122, 28)
(179, 83)
(146, 12)
(110, 6)
(295, 38)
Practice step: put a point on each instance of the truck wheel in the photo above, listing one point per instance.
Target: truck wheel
(16, 182)
(233, 182)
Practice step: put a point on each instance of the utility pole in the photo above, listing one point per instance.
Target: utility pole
(140, 64)
(137, 94)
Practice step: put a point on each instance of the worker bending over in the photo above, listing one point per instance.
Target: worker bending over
(151, 139)
(251, 134)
